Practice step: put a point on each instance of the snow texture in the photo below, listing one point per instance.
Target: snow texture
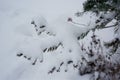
(18, 35)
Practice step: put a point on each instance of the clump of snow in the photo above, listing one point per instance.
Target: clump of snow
(31, 48)
(39, 23)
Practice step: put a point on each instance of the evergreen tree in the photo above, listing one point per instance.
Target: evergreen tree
(108, 11)
(104, 67)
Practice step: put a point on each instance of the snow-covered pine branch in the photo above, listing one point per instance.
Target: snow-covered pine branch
(61, 33)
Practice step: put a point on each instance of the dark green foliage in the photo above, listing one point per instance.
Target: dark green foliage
(106, 7)
(83, 35)
(115, 44)
(94, 5)
(20, 54)
(101, 5)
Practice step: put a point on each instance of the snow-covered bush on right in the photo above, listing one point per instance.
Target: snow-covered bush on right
(102, 60)
(97, 62)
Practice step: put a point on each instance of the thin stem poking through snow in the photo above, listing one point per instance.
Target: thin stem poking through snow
(79, 24)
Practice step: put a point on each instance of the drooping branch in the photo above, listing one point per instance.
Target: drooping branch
(70, 20)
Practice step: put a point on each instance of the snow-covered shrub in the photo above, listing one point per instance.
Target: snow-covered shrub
(60, 37)
(98, 62)
(108, 12)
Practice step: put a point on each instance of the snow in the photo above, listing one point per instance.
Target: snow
(18, 35)
(15, 26)
(66, 33)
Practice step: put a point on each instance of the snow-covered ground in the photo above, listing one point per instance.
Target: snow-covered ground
(16, 29)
